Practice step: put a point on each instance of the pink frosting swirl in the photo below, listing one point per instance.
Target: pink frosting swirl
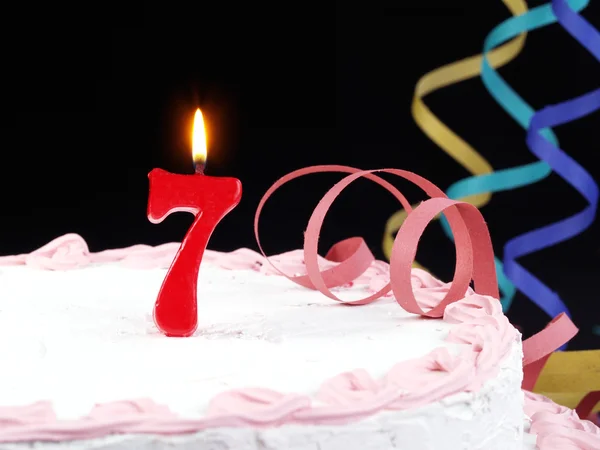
(558, 427)
(349, 388)
(66, 252)
(429, 291)
(23, 416)
(257, 406)
(129, 408)
(71, 252)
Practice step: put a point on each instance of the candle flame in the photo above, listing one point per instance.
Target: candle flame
(199, 140)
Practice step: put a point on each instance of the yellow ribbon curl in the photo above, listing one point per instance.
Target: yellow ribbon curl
(451, 143)
(568, 376)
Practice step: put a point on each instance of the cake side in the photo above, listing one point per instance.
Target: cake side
(477, 419)
(412, 368)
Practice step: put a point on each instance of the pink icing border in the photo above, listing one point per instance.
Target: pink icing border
(558, 427)
(344, 398)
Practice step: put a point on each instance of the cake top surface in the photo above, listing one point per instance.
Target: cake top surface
(86, 336)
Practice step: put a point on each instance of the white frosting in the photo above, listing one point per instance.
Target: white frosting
(86, 336)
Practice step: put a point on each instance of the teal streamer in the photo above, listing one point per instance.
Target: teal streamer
(521, 112)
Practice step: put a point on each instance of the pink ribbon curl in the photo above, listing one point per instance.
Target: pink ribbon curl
(474, 255)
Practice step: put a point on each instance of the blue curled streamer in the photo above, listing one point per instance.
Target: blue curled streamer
(566, 167)
(574, 174)
(521, 112)
(589, 37)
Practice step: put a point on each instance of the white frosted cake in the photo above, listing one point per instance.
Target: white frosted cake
(272, 365)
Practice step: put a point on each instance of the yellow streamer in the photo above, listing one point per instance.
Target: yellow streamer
(568, 376)
(460, 150)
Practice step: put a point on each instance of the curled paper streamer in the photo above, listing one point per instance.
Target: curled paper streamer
(587, 36)
(560, 231)
(473, 244)
(474, 253)
(474, 256)
(571, 378)
(589, 404)
(564, 166)
(444, 137)
(539, 347)
(519, 110)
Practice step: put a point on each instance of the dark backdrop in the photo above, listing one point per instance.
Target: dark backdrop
(95, 96)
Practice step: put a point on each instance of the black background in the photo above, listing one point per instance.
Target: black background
(95, 96)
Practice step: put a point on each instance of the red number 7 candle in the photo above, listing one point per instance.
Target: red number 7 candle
(209, 199)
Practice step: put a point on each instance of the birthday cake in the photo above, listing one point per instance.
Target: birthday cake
(273, 364)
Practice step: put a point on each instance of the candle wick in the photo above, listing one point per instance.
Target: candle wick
(199, 168)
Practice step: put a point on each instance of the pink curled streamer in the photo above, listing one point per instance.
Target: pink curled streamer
(474, 256)
(466, 221)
